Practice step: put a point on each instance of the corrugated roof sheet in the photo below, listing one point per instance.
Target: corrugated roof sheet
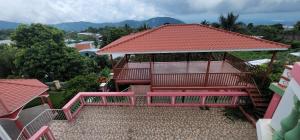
(14, 93)
(188, 38)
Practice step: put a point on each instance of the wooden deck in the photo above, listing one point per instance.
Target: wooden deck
(181, 74)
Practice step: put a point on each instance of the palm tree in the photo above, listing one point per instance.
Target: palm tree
(204, 22)
(229, 22)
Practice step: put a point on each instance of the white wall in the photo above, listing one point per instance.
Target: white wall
(286, 104)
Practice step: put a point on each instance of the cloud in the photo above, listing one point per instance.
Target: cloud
(54, 11)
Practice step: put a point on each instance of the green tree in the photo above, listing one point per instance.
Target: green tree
(4, 34)
(111, 34)
(229, 22)
(143, 27)
(297, 26)
(7, 57)
(216, 25)
(44, 56)
(26, 36)
(204, 22)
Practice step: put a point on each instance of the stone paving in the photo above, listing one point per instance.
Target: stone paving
(153, 123)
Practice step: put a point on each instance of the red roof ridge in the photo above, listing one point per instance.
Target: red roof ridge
(4, 81)
(243, 35)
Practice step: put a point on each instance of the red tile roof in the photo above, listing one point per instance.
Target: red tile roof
(83, 46)
(15, 93)
(188, 38)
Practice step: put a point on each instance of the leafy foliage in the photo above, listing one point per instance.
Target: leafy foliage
(229, 22)
(80, 83)
(26, 36)
(105, 72)
(111, 34)
(7, 56)
(42, 54)
(4, 34)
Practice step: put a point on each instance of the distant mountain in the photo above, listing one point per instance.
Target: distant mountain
(81, 25)
(8, 25)
(153, 22)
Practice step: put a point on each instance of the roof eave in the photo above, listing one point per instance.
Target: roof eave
(191, 51)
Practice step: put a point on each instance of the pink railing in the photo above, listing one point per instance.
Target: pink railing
(72, 108)
(210, 99)
(44, 133)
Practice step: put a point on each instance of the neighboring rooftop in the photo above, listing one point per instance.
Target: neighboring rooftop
(188, 38)
(84, 45)
(15, 93)
(259, 62)
(297, 54)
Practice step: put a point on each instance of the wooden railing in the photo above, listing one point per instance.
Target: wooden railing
(73, 107)
(178, 79)
(43, 134)
(121, 63)
(209, 99)
(199, 79)
(240, 64)
(132, 74)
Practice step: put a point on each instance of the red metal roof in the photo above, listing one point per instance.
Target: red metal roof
(15, 93)
(188, 38)
(83, 46)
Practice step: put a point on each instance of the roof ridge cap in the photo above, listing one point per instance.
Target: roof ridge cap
(23, 84)
(145, 32)
(246, 36)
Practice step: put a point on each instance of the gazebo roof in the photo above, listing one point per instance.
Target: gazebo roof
(173, 38)
(15, 93)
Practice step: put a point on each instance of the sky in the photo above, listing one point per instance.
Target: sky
(190, 11)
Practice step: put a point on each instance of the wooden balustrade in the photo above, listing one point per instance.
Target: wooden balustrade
(132, 74)
(178, 79)
(72, 108)
(240, 64)
(209, 99)
(121, 63)
(198, 79)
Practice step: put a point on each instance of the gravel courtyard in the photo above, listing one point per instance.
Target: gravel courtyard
(140, 123)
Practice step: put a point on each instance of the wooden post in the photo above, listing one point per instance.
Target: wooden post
(111, 60)
(224, 56)
(269, 69)
(117, 86)
(207, 69)
(271, 63)
(150, 71)
(188, 62)
(126, 58)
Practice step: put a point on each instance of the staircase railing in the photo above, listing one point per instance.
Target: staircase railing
(43, 119)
